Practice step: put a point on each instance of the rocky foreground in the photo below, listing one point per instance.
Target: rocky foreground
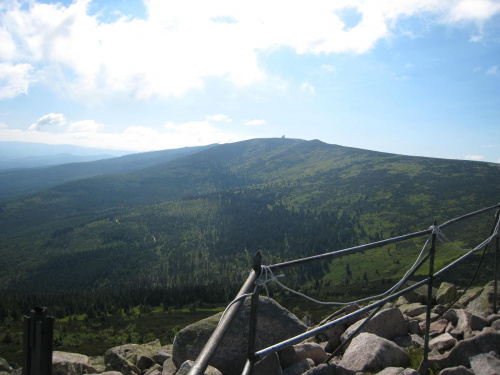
(465, 340)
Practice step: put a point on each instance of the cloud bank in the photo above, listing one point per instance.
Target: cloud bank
(181, 43)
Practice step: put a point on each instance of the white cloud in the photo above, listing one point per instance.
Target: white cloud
(473, 10)
(255, 122)
(474, 157)
(90, 133)
(3, 125)
(488, 146)
(308, 88)
(218, 118)
(14, 79)
(476, 38)
(86, 126)
(51, 120)
(330, 69)
(182, 42)
(493, 71)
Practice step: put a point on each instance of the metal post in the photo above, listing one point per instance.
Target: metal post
(432, 253)
(38, 342)
(495, 295)
(252, 330)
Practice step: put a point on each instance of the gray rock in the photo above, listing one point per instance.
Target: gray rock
(485, 364)
(491, 318)
(334, 333)
(132, 352)
(299, 368)
(155, 370)
(161, 357)
(484, 342)
(329, 369)
(483, 304)
(409, 371)
(297, 353)
(145, 362)
(447, 293)
(188, 365)
(391, 371)
(436, 328)
(274, 324)
(413, 327)
(496, 325)
(460, 370)
(116, 362)
(268, 365)
(470, 294)
(169, 367)
(413, 309)
(369, 352)
(442, 342)
(388, 324)
(70, 364)
(111, 373)
(477, 323)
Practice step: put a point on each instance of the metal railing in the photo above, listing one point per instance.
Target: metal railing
(252, 287)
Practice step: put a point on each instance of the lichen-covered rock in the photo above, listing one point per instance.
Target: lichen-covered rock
(372, 353)
(274, 324)
(447, 293)
(483, 304)
(485, 364)
(299, 368)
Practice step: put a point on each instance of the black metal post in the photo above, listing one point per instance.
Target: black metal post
(432, 253)
(252, 330)
(38, 342)
(495, 296)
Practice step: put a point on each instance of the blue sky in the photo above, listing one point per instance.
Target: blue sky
(409, 77)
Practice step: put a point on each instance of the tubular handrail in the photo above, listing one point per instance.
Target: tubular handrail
(204, 357)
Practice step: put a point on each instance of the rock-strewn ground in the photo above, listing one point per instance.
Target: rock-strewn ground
(464, 340)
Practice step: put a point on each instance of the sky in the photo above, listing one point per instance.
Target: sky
(413, 77)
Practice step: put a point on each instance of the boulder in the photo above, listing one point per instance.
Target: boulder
(436, 328)
(268, 365)
(413, 309)
(188, 365)
(369, 352)
(329, 369)
(446, 294)
(274, 324)
(483, 304)
(485, 364)
(132, 352)
(335, 333)
(297, 353)
(116, 362)
(145, 362)
(299, 368)
(442, 342)
(459, 355)
(70, 364)
(388, 324)
(477, 322)
(154, 370)
(470, 294)
(397, 371)
(460, 370)
(169, 367)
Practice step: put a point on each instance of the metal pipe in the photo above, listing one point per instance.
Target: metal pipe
(432, 253)
(495, 295)
(460, 218)
(210, 347)
(254, 304)
(338, 253)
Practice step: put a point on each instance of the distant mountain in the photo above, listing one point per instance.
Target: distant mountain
(197, 218)
(18, 182)
(33, 155)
